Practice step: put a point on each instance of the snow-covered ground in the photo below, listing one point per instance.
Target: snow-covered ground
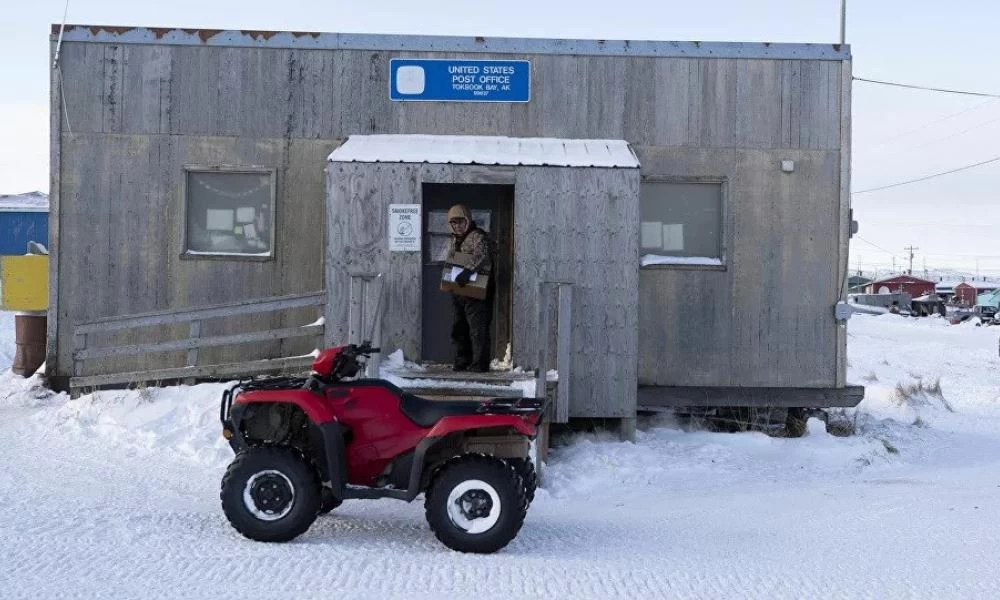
(116, 495)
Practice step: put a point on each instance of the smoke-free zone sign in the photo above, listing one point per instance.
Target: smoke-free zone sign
(446, 80)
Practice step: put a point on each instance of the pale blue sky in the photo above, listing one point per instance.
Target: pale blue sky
(952, 219)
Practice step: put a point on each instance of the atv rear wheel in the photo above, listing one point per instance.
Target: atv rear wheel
(270, 494)
(476, 503)
(529, 477)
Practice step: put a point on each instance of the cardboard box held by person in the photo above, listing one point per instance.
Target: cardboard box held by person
(477, 286)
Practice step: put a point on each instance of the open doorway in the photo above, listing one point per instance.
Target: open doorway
(492, 208)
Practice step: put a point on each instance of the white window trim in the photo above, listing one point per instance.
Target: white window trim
(187, 253)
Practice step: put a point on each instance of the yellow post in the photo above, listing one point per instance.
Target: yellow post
(25, 283)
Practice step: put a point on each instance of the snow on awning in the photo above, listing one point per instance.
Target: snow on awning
(486, 150)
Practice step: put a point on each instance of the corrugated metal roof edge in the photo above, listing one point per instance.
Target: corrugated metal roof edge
(344, 148)
(488, 164)
(433, 43)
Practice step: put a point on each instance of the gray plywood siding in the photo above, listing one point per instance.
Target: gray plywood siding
(121, 222)
(571, 225)
(767, 319)
(358, 212)
(328, 94)
(139, 112)
(576, 226)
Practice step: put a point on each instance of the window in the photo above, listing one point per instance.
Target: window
(229, 213)
(439, 234)
(681, 223)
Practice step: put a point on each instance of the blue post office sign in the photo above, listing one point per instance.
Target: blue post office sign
(447, 80)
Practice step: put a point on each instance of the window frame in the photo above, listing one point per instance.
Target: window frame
(187, 170)
(723, 182)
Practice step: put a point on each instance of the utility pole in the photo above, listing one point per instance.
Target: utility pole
(910, 249)
(843, 22)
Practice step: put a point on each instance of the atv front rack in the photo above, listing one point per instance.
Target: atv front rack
(249, 385)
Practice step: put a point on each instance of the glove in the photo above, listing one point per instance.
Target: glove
(463, 278)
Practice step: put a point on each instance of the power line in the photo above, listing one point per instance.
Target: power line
(977, 127)
(936, 121)
(926, 177)
(926, 88)
(927, 224)
(873, 244)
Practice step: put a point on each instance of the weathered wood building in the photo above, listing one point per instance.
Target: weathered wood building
(190, 167)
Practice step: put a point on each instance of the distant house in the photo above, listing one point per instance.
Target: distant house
(857, 283)
(965, 294)
(986, 286)
(914, 286)
(989, 298)
(23, 218)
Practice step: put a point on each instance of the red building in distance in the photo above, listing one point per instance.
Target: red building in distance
(966, 294)
(906, 284)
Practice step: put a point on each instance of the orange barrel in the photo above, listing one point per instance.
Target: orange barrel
(29, 339)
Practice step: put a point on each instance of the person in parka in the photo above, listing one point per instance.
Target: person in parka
(470, 332)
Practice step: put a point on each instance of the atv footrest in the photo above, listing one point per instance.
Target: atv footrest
(363, 493)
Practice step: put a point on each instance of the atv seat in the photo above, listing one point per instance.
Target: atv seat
(426, 413)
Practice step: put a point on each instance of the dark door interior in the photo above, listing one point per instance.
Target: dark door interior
(492, 207)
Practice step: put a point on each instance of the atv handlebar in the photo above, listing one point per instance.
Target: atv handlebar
(366, 349)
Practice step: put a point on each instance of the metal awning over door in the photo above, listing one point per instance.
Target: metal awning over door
(486, 150)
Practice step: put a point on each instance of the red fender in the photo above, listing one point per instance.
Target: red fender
(465, 422)
(314, 405)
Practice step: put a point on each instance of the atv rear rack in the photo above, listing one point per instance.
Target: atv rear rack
(513, 406)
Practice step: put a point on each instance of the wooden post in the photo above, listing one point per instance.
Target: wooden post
(80, 343)
(355, 315)
(194, 332)
(564, 357)
(626, 429)
(541, 375)
(542, 360)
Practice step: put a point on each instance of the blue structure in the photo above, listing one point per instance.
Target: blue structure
(458, 80)
(23, 218)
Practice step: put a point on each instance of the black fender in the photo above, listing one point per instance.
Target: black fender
(331, 461)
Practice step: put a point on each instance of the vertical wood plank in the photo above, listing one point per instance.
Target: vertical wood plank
(56, 118)
(844, 214)
(565, 361)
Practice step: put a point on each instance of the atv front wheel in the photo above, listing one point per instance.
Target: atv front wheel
(270, 494)
(327, 501)
(476, 504)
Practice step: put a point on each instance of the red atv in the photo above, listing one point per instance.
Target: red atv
(305, 444)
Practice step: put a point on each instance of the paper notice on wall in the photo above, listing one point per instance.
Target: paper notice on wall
(245, 214)
(673, 236)
(652, 234)
(404, 228)
(219, 220)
